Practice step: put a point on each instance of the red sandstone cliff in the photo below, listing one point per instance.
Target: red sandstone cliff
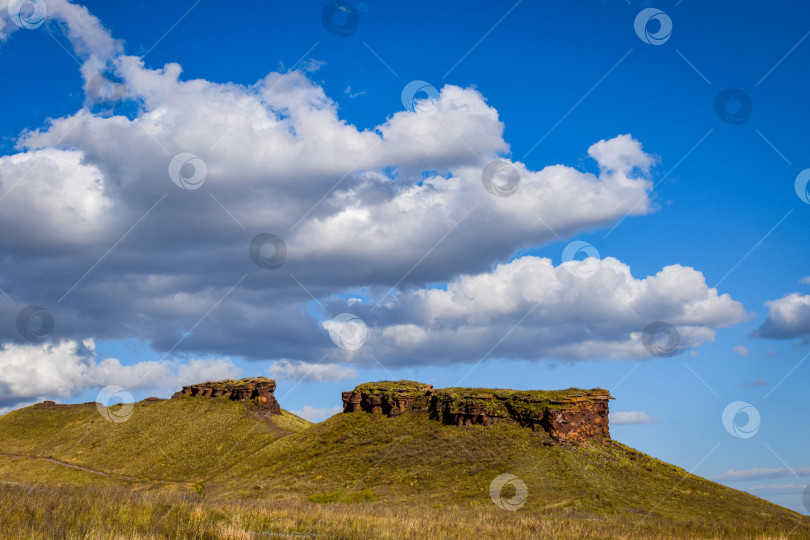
(257, 391)
(571, 415)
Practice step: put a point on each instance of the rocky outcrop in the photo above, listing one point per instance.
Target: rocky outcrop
(390, 398)
(256, 392)
(572, 415)
(579, 418)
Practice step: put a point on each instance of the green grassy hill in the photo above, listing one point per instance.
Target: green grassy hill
(178, 440)
(209, 468)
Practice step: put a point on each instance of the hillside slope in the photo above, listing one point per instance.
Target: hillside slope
(219, 454)
(179, 440)
(411, 458)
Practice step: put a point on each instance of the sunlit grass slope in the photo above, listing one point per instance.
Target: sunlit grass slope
(178, 440)
(411, 458)
(208, 468)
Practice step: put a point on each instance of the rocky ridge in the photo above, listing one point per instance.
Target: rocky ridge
(257, 392)
(573, 415)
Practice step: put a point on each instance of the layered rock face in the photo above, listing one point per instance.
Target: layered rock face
(579, 418)
(571, 415)
(389, 398)
(257, 392)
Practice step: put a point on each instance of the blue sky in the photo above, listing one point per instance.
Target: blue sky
(716, 197)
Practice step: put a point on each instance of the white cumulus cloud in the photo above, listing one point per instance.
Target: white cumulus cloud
(67, 368)
(93, 229)
(530, 309)
(308, 372)
(789, 317)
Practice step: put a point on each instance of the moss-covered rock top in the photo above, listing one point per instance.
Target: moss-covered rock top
(255, 391)
(391, 385)
(534, 395)
(405, 387)
(383, 387)
(503, 393)
(503, 402)
(236, 382)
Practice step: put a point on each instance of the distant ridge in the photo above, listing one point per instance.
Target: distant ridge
(402, 453)
(571, 415)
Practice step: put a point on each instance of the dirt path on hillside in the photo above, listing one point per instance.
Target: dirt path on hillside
(64, 464)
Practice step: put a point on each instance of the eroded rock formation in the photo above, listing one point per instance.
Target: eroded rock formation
(390, 397)
(256, 392)
(572, 415)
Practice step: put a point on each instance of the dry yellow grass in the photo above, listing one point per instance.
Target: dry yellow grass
(203, 469)
(117, 512)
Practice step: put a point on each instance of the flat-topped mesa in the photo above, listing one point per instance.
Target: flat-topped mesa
(257, 392)
(571, 415)
(391, 398)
